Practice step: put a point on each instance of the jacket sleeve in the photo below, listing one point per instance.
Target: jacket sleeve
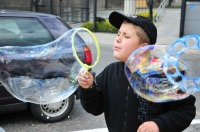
(91, 100)
(178, 115)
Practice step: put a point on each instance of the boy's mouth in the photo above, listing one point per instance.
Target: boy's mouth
(116, 48)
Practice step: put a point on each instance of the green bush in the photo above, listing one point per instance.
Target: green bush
(88, 25)
(105, 26)
(146, 14)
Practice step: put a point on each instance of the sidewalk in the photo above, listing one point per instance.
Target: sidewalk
(168, 29)
(168, 26)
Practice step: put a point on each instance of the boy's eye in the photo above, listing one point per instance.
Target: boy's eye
(126, 36)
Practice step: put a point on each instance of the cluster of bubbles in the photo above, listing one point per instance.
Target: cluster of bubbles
(161, 74)
(46, 73)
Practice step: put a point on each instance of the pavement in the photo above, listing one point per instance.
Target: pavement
(168, 27)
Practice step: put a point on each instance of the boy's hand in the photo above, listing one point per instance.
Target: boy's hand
(85, 79)
(148, 126)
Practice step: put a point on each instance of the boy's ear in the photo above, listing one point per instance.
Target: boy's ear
(144, 44)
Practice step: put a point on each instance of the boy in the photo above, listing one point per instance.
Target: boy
(110, 92)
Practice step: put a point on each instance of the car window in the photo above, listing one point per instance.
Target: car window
(64, 23)
(23, 32)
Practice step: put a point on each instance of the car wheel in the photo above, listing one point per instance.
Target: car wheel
(53, 112)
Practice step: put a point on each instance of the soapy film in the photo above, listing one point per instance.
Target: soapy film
(145, 71)
(43, 74)
(162, 74)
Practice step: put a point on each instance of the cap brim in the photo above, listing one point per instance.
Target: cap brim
(116, 19)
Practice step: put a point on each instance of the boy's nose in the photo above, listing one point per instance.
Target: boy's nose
(118, 39)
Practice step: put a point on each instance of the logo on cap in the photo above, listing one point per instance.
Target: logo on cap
(133, 16)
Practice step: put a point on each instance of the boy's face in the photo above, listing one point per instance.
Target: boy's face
(126, 42)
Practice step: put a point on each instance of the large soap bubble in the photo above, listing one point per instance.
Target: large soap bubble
(46, 73)
(145, 72)
(161, 75)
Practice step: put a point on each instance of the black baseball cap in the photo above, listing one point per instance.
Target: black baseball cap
(116, 19)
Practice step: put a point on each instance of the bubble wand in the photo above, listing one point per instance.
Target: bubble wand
(84, 65)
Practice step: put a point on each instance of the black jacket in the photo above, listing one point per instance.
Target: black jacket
(124, 110)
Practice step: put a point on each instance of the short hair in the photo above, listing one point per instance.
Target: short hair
(143, 37)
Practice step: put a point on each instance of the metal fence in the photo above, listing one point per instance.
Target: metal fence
(104, 9)
(76, 11)
(160, 10)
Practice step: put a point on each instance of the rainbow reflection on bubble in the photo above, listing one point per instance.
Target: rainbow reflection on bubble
(145, 71)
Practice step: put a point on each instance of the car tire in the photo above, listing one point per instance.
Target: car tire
(53, 112)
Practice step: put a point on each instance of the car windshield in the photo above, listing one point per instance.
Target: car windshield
(16, 31)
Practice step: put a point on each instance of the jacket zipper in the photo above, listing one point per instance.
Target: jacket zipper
(125, 114)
